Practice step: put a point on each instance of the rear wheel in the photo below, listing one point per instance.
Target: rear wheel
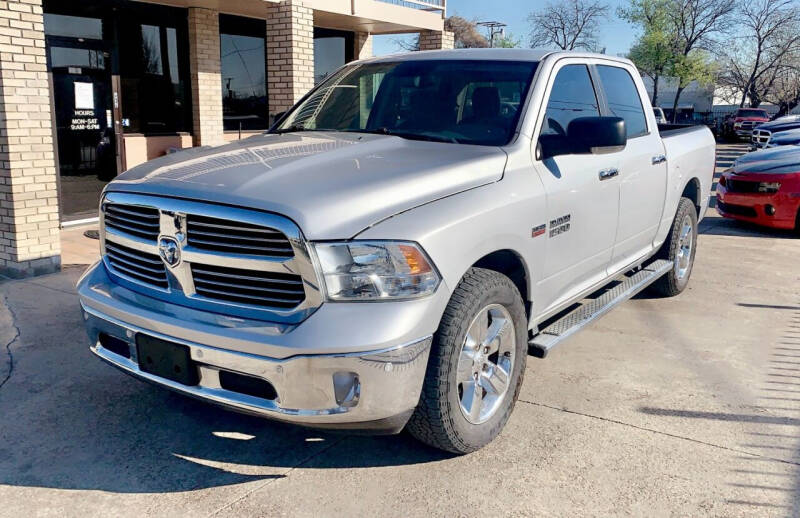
(679, 248)
(476, 365)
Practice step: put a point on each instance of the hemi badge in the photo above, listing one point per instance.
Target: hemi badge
(539, 230)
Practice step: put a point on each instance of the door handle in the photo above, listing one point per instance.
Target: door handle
(658, 159)
(606, 174)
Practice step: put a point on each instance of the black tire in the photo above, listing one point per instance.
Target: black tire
(671, 283)
(797, 224)
(438, 419)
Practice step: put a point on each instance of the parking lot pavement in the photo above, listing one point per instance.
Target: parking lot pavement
(687, 406)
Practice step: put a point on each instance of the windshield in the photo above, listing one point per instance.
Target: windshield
(752, 113)
(459, 101)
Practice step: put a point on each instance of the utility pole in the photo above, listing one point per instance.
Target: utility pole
(495, 28)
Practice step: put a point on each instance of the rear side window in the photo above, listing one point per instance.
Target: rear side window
(572, 96)
(623, 98)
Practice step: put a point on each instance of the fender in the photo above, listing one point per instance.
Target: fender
(456, 232)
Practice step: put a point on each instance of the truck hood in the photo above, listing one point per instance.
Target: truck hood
(779, 160)
(332, 184)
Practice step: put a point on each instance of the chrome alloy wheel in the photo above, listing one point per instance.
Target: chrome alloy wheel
(485, 363)
(683, 256)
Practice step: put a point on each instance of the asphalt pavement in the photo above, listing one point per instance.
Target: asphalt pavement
(687, 406)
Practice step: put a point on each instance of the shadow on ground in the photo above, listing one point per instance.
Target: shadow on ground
(767, 472)
(729, 227)
(69, 421)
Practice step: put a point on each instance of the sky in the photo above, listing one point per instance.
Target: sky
(616, 35)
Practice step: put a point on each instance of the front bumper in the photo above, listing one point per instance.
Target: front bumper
(753, 207)
(372, 386)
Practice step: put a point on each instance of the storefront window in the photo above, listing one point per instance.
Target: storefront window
(332, 49)
(155, 96)
(73, 26)
(244, 75)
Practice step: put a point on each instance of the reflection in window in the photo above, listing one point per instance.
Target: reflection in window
(73, 26)
(332, 49)
(151, 49)
(244, 75)
(154, 91)
(623, 98)
(84, 58)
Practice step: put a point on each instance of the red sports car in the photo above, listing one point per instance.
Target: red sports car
(763, 187)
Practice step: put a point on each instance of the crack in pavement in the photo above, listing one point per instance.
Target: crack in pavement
(10, 342)
(304, 461)
(659, 432)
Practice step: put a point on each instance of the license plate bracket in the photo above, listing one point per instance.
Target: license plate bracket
(166, 359)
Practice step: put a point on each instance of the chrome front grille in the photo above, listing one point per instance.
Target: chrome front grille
(133, 219)
(760, 137)
(140, 266)
(235, 237)
(228, 260)
(248, 286)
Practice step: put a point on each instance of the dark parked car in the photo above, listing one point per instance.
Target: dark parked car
(762, 134)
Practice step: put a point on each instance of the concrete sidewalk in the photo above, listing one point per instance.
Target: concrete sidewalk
(687, 406)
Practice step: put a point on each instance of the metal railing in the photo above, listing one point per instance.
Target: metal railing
(439, 6)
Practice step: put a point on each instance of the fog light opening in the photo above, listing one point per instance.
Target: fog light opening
(770, 210)
(115, 345)
(346, 388)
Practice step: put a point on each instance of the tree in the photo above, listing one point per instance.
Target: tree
(654, 50)
(755, 59)
(786, 90)
(508, 41)
(465, 33)
(568, 24)
(696, 24)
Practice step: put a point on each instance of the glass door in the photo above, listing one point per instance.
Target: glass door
(80, 66)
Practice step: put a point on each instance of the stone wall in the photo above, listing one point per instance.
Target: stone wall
(206, 76)
(290, 53)
(29, 218)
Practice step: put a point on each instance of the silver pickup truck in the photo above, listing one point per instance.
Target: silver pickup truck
(390, 253)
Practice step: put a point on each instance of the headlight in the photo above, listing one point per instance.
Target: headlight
(770, 187)
(375, 270)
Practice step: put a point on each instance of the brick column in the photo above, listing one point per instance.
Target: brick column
(290, 53)
(435, 40)
(206, 73)
(29, 225)
(362, 44)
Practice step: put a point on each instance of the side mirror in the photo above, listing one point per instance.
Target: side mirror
(597, 135)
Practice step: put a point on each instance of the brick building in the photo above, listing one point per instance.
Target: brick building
(91, 88)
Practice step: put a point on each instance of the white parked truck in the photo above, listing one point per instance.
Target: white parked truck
(390, 253)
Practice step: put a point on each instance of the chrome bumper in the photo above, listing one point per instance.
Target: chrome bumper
(358, 368)
(376, 389)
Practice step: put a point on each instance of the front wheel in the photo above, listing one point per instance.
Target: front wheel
(476, 365)
(679, 248)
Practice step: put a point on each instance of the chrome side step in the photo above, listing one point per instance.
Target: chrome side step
(592, 309)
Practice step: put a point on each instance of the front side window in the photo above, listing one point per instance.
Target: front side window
(244, 73)
(572, 96)
(623, 99)
(460, 101)
(154, 74)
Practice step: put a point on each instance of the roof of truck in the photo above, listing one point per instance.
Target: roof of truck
(491, 54)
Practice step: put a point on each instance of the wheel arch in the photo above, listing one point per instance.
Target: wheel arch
(511, 264)
(692, 191)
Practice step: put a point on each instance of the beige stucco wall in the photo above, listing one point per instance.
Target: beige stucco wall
(139, 148)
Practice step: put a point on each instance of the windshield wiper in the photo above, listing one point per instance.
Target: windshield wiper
(407, 135)
(292, 128)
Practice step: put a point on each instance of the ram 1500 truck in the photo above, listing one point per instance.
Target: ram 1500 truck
(392, 250)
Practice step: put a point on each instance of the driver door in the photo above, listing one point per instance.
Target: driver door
(582, 198)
